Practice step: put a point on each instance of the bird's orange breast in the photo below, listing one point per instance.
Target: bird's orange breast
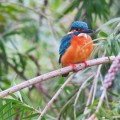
(79, 50)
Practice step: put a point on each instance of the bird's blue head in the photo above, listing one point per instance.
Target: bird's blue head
(81, 27)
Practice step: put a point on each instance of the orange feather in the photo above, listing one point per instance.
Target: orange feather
(79, 50)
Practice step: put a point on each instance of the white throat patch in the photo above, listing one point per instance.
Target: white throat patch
(83, 34)
(69, 32)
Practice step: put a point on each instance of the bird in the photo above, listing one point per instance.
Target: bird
(76, 46)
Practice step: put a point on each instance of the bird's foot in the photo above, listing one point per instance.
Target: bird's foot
(85, 63)
(73, 66)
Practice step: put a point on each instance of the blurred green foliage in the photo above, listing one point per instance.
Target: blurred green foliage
(30, 32)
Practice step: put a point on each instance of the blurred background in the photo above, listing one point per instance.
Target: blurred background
(30, 34)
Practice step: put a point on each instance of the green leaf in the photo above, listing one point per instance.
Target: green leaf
(108, 23)
(70, 8)
(43, 118)
(26, 99)
(13, 107)
(103, 34)
(31, 116)
(3, 56)
(23, 60)
(112, 93)
(30, 50)
(11, 33)
(15, 113)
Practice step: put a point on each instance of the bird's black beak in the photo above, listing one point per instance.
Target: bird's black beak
(87, 31)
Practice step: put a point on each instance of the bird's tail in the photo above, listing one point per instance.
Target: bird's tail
(65, 75)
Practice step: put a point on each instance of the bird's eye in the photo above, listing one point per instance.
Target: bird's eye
(80, 29)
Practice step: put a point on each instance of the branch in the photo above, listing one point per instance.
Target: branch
(95, 81)
(78, 93)
(92, 91)
(55, 96)
(35, 60)
(17, 71)
(54, 74)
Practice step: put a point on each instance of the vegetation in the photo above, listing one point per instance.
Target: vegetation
(30, 32)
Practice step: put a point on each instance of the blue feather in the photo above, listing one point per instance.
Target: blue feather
(65, 43)
(79, 24)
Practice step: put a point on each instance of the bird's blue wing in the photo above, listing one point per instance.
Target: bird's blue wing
(65, 43)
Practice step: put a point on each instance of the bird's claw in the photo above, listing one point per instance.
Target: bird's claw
(73, 66)
(85, 63)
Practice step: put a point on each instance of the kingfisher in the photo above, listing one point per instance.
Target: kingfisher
(76, 46)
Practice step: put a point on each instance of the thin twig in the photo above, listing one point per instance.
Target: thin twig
(95, 82)
(93, 88)
(106, 97)
(17, 71)
(35, 60)
(61, 111)
(54, 74)
(92, 91)
(53, 33)
(66, 104)
(78, 93)
(101, 100)
(55, 96)
(88, 101)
